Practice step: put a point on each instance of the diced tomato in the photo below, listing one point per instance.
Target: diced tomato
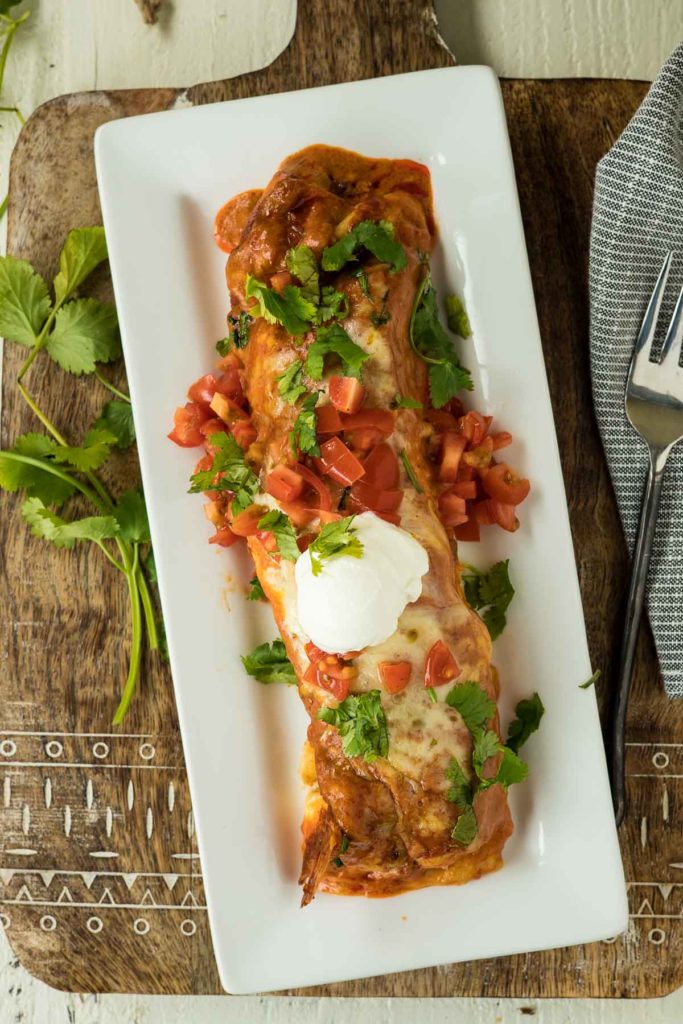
(390, 517)
(468, 531)
(505, 486)
(482, 513)
(304, 541)
(365, 439)
(224, 537)
(314, 653)
(203, 389)
(187, 420)
(299, 512)
(245, 524)
(503, 515)
(377, 419)
(394, 675)
(280, 280)
(231, 361)
(328, 420)
(452, 510)
(501, 439)
(284, 483)
(213, 513)
(442, 420)
(226, 409)
(230, 384)
(314, 481)
(244, 432)
(213, 426)
(451, 453)
(455, 407)
(330, 672)
(339, 688)
(346, 394)
(328, 517)
(479, 457)
(465, 472)
(473, 426)
(364, 497)
(464, 489)
(441, 666)
(381, 468)
(268, 540)
(340, 463)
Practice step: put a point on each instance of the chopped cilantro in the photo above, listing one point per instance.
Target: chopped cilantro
(363, 282)
(456, 316)
(289, 307)
(592, 681)
(334, 339)
(302, 264)
(334, 539)
(460, 792)
(256, 592)
(432, 694)
(473, 703)
(377, 238)
(236, 475)
(490, 592)
(529, 714)
(223, 345)
(268, 663)
(302, 436)
(333, 305)
(280, 526)
(410, 472)
(430, 342)
(381, 318)
(362, 725)
(290, 386)
(466, 827)
(406, 402)
(486, 745)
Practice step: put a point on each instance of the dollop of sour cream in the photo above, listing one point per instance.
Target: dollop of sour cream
(356, 602)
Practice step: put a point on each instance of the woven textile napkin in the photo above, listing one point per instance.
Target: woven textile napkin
(637, 218)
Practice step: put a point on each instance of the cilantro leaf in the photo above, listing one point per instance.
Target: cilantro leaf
(335, 539)
(456, 316)
(223, 345)
(363, 282)
(592, 680)
(377, 238)
(49, 526)
(333, 305)
(36, 481)
(256, 591)
(268, 663)
(24, 301)
(406, 402)
(528, 713)
(410, 472)
(281, 527)
(334, 339)
(486, 745)
(362, 725)
(117, 419)
(131, 515)
(288, 307)
(238, 333)
(302, 264)
(85, 333)
(491, 592)
(84, 249)
(237, 476)
(290, 386)
(511, 769)
(460, 792)
(429, 341)
(150, 566)
(473, 704)
(466, 827)
(302, 436)
(93, 454)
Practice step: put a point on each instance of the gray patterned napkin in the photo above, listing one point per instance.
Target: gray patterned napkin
(637, 218)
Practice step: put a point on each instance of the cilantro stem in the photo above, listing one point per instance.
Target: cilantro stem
(35, 408)
(55, 471)
(3, 206)
(110, 557)
(107, 384)
(148, 609)
(136, 643)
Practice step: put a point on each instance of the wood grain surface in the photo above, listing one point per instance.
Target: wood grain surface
(100, 878)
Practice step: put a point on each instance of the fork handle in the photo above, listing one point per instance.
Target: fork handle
(634, 608)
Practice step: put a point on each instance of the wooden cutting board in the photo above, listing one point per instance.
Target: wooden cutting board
(100, 878)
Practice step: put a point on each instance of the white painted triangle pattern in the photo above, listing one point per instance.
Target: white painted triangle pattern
(665, 889)
(148, 900)
(107, 897)
(6, 875)
(130, 881)
(189, 900)
(645, 908)
(65, 896)
(24, 895)
(88, 877)
(170, 881)
(47, 876)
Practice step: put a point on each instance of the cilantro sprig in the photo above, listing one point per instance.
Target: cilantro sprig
(77, 333)
(361, 723)
(280, 525)
(456, 316)
(429, 341)
(268, 663)
(228, 472)
(302, 436)
(335, 539)
(377, 237)
(335, 340)
(489, 592)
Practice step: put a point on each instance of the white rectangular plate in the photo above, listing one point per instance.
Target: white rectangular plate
(161, 179)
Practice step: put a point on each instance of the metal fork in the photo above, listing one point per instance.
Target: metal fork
(654, 407)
